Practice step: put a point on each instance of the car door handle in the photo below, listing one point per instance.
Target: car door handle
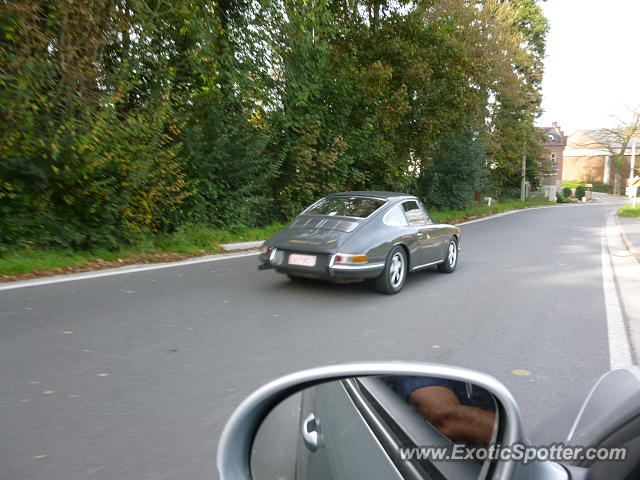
(311, 435)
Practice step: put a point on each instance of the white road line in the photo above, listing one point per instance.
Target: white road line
(502, 214)
(120, 271)
(619, 344)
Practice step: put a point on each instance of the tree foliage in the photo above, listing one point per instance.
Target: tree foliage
(122, 118)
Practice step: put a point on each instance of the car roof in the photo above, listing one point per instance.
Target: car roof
(375, 194)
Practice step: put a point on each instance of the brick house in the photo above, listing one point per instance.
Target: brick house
(555, 142)
(589, 156)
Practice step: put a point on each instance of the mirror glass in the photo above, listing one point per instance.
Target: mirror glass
(377, 427)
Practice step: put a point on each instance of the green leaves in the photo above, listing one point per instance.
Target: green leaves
(126, 117)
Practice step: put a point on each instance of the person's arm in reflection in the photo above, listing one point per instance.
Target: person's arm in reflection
(460, 423)
(462, 414)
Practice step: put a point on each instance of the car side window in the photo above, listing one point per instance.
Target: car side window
(428, 217)
(395, 217)
(414, 214)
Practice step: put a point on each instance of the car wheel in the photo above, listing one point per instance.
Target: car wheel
(394, 274)
(450, 257)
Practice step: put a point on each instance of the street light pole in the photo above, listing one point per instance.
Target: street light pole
(632, 172)
(633, 160)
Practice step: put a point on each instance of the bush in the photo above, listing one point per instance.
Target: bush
(561, 198)
(566, 191)
(597, 186)
(580, 192)
(602, 187)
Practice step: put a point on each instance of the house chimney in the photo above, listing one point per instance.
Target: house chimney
(555, 125)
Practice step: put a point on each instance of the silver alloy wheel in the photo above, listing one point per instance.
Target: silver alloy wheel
(396, 270)
(453, 253)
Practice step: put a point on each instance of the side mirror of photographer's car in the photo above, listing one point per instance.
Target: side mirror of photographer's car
(379, 420)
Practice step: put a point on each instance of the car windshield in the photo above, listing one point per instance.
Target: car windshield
(360, 207)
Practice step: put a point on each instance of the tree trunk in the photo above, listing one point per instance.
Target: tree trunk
(617, 171)
(616, 183)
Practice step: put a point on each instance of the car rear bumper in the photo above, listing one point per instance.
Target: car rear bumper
(370, 270)
(324, 268)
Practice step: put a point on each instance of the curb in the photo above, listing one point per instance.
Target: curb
(230, 247)
(620, 283)
(625, 239)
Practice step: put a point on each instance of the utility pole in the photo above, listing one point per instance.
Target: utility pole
(524, 173)
(633, 160)
(632, 172)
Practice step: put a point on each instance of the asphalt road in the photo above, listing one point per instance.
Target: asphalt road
(133, 376)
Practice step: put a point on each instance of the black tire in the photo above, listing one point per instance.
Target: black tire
(450, 261)
(392, 278)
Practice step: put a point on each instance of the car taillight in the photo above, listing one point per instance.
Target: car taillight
(266, 251)
(343, 258)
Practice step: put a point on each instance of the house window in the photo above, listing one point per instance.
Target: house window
(554, 161)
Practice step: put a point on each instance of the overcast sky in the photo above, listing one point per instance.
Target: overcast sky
(592, 67)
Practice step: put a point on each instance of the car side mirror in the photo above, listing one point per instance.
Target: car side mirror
(399, 409)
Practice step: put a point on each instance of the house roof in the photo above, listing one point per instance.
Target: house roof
(606, 138)
(551, 135)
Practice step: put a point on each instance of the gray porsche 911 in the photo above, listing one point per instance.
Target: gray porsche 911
(350, 236)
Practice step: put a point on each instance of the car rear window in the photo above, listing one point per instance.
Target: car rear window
(360, 207)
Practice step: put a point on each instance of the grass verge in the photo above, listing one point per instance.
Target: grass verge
(457, 216)
(628, 211)
(192, 241)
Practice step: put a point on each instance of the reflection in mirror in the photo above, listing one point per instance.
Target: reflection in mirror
(459, 410)
(360, 427)
(274, 447)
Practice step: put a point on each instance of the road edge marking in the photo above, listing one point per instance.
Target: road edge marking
(120, 271)
(510, 212)
(619, 341)
(519, 210)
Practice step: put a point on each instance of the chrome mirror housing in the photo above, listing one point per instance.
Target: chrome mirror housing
(236, 442)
